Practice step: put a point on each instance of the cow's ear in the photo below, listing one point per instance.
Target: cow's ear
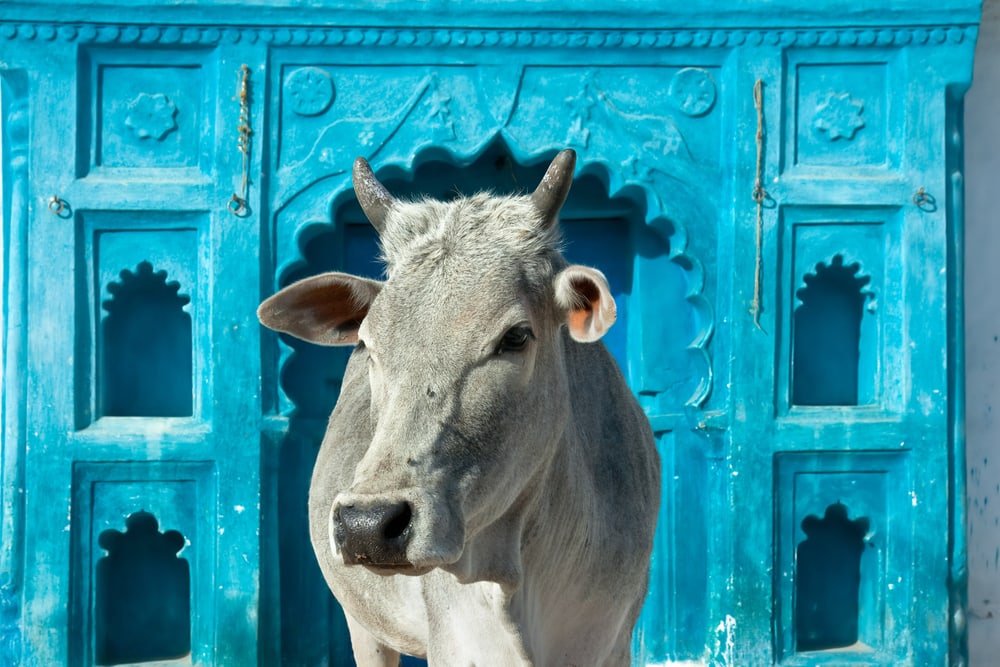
(326, 309)
(583, 293)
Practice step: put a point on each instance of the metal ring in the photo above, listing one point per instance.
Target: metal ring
(237, 205)
(924, 200)
(56, 205)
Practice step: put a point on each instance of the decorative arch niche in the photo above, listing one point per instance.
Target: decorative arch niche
(830, 356)
(146, 350)
(143, 594)
(828, 580)
(621, 232)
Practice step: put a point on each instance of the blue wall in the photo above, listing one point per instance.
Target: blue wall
(799, 354)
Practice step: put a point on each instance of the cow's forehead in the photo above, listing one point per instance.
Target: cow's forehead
(479, 231)
(461, 266)
(456, 295)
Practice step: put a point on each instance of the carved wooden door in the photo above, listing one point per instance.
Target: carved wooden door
(141, 458)
(775, 194)
(639, 210)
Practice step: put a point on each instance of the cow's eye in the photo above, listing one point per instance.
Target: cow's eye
(515, 340)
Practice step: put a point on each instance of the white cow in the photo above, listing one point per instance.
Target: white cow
(487, 489)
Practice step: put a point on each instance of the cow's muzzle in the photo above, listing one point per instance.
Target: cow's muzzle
(375, 535)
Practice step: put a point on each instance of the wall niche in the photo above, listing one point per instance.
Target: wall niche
(146, 358)
(143, 594)
(828, 580)
(831, 359)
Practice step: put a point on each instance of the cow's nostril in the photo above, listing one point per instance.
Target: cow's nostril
(375, 535)
(398, 523)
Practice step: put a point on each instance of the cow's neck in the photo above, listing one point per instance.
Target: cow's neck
(517, 563)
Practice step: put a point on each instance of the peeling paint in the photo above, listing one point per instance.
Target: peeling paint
(725, 642)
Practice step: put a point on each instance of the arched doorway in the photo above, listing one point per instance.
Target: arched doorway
(657, 340)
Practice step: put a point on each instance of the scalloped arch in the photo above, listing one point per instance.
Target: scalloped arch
(838, 261)
(669, 197)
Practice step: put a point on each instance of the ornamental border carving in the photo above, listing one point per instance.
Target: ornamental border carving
(476, 38)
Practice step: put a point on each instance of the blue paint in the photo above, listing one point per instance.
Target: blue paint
(121, 145)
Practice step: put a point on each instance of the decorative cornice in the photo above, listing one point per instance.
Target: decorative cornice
(476, 38)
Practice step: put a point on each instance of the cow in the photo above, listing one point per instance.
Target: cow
(487, 489)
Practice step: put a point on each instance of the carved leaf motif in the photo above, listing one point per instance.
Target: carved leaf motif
(656, 134)
(839, 116)
(344, 139)
(151, 116)
(580, 111)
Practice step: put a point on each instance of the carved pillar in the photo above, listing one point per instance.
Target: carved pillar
(14, 153)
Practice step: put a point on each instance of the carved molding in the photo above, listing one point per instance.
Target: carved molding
(477, 38)
(17, 136)
(10, 622)
(13, 364)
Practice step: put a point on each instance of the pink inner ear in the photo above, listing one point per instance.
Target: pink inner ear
(582, 293)
(579, 319)
(587, 297)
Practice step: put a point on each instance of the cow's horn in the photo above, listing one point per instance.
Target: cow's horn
(375, 200)
(550, 194)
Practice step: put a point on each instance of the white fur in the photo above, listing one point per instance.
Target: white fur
(532, 474)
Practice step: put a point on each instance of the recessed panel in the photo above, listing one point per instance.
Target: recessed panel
(149, 116)
(147, 110)
(843, 562)
(145, 336)
(841, 117)
(844, 112)
(142, 288)
(142, 555)
(842, 289)
(838, 279)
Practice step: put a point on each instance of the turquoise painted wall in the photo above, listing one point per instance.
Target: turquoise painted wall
(799, 353)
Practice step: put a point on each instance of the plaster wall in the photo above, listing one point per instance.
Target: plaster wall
(982, 125)
(982, 317)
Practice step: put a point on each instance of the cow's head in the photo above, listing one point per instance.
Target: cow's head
(466, 368)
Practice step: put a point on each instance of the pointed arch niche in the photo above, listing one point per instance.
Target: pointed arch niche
(643, 253)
